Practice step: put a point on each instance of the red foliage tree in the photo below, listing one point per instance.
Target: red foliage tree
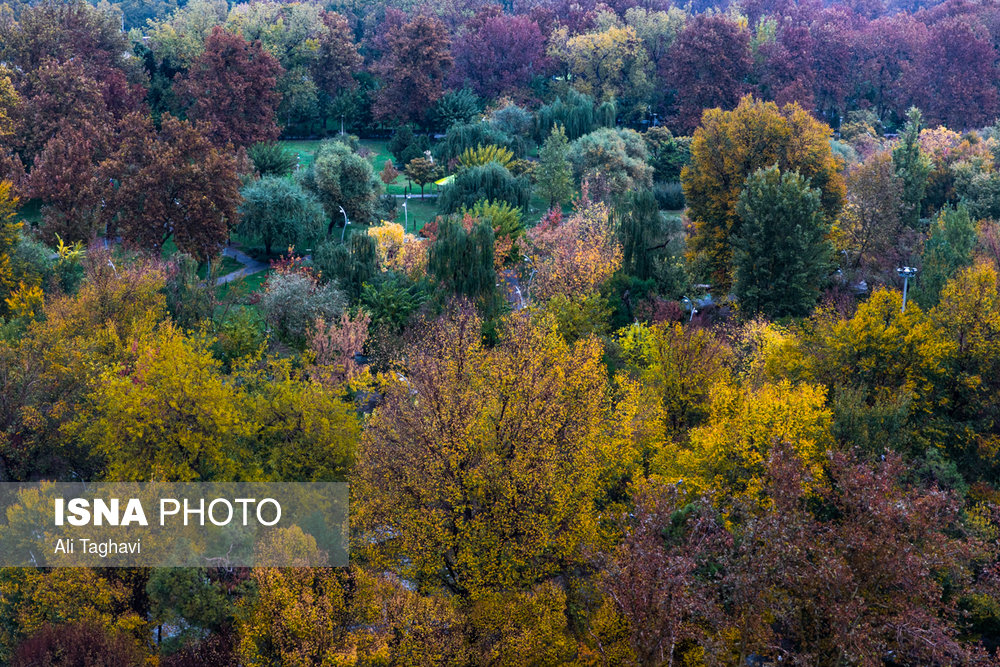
(785, 73)
(337, 57)
(707, 67)
(413, 66)
(77, 644)
(231, 88)
(499, 56)
(886, 52)
(833, 36)
(956, 78)
(174, 183)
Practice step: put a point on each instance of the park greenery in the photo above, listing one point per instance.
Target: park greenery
(599, 308)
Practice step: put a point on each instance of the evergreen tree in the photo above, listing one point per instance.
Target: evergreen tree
(948, 249)
(781, 253)
(554, 174)
(912, 166)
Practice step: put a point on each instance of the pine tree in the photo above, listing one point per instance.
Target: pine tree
(781, 253)
(554, 176)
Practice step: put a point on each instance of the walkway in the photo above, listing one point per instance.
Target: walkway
(250, 266)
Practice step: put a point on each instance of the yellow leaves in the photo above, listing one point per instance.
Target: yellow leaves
(9, 231)
(8, 100)
(399, 251)
(728, 456)
(26, 301)
(608, 64)
(472, 157)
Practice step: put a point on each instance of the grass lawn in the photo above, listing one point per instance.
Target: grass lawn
(245, 285)
(304, 149)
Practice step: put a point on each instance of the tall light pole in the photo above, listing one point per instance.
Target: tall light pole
(406, 214)
(689, 304)
(906, 273)
(346, 222)
(341, 124)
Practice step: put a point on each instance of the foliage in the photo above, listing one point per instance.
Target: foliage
(456, 106)
(9, 235)
(576, 113)
(463, 136)
(461, 259)
(345, 179)
(500, 56)
(870, 224)
(415, 61)
(480, 155)
(612, 161)
(729, 147)
(351, 265)
(948, 248)
(490, 182)
(405, 145)
(278, 211)
(76, 643)
(271, 159)
(421, 171)
(554, 174)
(913, 167)
(667, 154)
(781, 253)
(231, 88)
(293, 301)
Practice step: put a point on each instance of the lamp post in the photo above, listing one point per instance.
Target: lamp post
(406, 214)
(346, 222)
(341, 124)
(906, 273)
(689, 304)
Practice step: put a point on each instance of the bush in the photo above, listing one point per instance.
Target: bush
(463, 136)
(512, 120)
(386, 207)
(271, 159)
(293, 301)
(76, 644)
(669, 196)
(456, 106)
(277, 211)
(405, 145)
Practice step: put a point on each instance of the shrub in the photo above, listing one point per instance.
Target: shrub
(293, 301)
(271, 159)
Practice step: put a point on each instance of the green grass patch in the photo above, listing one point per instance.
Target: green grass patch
(242, 286)
(304, 149)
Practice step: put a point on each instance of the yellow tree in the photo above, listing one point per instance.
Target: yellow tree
(728, 147)
(9, 232)
(611, 64)
(480, 470)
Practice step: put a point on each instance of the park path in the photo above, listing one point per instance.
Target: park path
(250, 266)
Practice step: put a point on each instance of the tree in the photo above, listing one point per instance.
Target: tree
(271, 159)
(505, 498)
(870, 224)
(173, 183)
(461, 257)
(667, 154)
(912, 166)
(231, 87)
(490, 182)
(345, 179)
(554, 174)
(337, 58)
(947, 250)
(65, 178)
(351, 265)
(577, 113)
(455, 106)
(9, 235)
(707, 66)
(276, 210)
(499, 56)
(612, 161)
(415, 60)
(729, 147)
(421, 171)
(77, 643)
(389, 173)
(641, 231)
(781, 252)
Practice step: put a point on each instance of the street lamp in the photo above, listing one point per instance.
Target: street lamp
(906, 273)
(689, 305)
(346, 222)
(341, 124)
(406, 214)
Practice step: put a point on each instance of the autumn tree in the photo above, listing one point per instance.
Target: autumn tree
(421, 171)
(869, 226)
(499, 56)
(506, 498)
(612, 161)
(729, 147)
(9, 234)
(231, 88)
(275, 210)
(554, 174)
(172, 184)
(415, 60)
(781, 253)
(707, 65)
(337, 58)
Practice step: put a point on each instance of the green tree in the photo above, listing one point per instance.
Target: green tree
(351, 264)
(554, 174)
(613, 161)
(271, 159)
(486, 182)
(462, 259)
(276, 210)
(948, 249)
(781, 253)
(345, 179)
(912, 166)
